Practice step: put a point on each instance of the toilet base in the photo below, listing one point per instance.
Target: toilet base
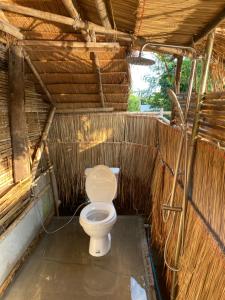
(100, 246)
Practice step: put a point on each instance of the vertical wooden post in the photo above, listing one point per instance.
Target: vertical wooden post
(103, 14)
(178, 74)
(18, 127)
(176, 85)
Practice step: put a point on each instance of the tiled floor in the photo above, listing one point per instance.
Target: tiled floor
(61, 268)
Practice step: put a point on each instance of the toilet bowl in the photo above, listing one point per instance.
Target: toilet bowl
(98, 217)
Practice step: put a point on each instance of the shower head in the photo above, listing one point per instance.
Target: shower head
(140, 61)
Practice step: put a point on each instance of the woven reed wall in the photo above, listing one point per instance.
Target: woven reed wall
(212, 115)
(202, 265)
(36, 114)
(117, 140)
(6, 176)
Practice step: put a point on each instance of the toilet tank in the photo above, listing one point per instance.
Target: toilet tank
(115, 171)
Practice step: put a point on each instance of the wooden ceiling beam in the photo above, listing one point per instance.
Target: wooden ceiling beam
(103, 14)
(84, 110)
(3, 16)
(10, 29)
(69, 44)
(77, 24)
(210, 26)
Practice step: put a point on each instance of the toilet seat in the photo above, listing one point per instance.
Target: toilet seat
(97, 207)
(101, 184)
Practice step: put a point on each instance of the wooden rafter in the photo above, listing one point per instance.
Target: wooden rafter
(75, 15)
(77, 24)
(3, 16)
(38, 77)
(103, 14)
(10, 29)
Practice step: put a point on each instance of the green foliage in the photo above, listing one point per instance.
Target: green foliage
(164, 70)
(134, 103)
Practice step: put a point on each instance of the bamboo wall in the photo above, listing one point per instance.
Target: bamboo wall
(202, 266)
(6, 176)
(117, 140)
(212, 120)
(13, 199)
(36, 116)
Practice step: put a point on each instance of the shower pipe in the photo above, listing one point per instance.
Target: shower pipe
(183, 118)
(168, 208)
(194, 135)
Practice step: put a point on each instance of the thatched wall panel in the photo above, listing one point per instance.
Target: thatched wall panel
(137, 164)
(36, 110)
(80, 141)
(87, 128)
(120, 106)
(209, 187)
(6, 176)
(202, 264)
(141, 130)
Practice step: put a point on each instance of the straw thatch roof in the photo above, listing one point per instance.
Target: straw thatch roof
(70, 72)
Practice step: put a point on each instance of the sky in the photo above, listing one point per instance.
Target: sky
(138, 73)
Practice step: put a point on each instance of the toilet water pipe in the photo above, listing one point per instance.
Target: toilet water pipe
(62, 226)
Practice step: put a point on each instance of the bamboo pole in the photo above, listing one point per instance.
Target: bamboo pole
(178, 74)
(53, 179)
(44, 136)
(38, 77)
(209, 48)
(97, 66)
(77, 24)
(10, 29)
(3, 16)
(103, 14)
(68, 44)
(75, 15)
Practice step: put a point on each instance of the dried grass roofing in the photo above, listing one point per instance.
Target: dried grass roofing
(166, 21)
(163, 21)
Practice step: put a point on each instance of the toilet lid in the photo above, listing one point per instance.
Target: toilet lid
(101, 184)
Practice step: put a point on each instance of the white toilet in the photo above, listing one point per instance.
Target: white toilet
(98, 217)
